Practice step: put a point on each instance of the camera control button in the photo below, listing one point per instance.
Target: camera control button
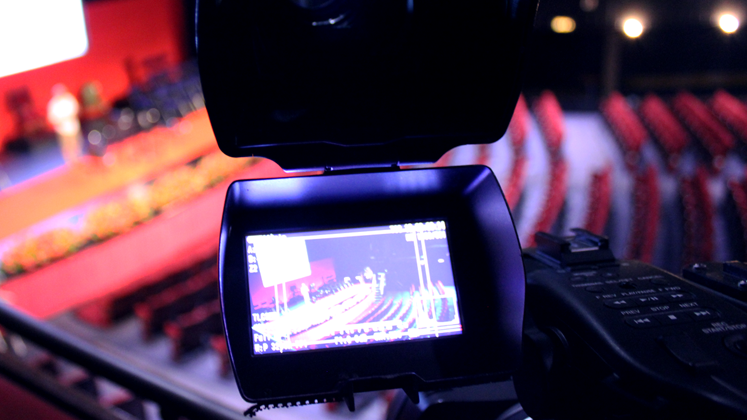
(642, 322)
(657, 309)
(619, 303)
(703, 314)
(679, 296)
(649, 300)
(686, 305)
(671, 319)
(631, 312)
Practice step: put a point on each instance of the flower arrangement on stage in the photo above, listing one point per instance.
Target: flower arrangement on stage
(216, 167)
(176, 187)
(120, 215)
(38, 250)
(117, 217)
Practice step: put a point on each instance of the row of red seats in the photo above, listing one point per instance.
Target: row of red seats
(665, 127)
(631, 136)
(714, 137)
(646, 211)
(731, 111)
(176, 300)
(628, 129)
(698, 211)
(119, 305)
(599, 201)
(738, 191)
(552, 127)
(183, 305)
(549, 116)
(191, 330)
(517, 133)
(379, 308)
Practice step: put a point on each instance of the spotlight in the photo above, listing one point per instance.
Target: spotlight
(632, 27)
(563, 24)
(728, 23)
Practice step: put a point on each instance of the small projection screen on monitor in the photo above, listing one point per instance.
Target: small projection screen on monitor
(37, 33)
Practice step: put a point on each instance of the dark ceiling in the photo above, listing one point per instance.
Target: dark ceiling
(680, 49)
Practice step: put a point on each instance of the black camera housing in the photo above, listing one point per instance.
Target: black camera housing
(358, 88)
(343, 83)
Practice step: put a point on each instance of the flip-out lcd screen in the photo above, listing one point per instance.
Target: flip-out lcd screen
(345, 287)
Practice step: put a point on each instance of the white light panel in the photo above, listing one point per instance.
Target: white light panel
(37, 33)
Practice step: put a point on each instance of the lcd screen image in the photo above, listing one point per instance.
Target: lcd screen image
(344, 287)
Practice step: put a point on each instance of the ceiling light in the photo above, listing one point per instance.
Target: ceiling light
(563, 24)
(728, 23)
(632, 27)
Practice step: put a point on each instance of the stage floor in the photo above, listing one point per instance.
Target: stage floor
(136, 159)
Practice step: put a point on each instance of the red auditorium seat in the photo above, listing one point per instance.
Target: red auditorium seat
(699, 218)
(731, 111)
(519, 126)
(554, 198)
(600, 200)
(517, 134)
(188, 331)
(176, 300)
(628, 129)
(550, 119)
(646, 213)
(738, 191)
(669, 133)
(513, 188)
(104, 312)
(714, 137)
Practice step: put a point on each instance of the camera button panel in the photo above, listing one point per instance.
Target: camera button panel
(642, 322)
(674, 318)
(619, 303)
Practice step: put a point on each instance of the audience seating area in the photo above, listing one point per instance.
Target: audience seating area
(652, 139)
(717, 140)
(182, 305)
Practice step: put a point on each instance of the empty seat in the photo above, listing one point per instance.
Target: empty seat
(188, 331)
(176, 300)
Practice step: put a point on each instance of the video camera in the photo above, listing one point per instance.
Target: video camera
(370, 276)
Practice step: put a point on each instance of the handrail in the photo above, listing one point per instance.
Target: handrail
(169, 397)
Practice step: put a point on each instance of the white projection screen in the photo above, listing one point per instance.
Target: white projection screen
(37, 33)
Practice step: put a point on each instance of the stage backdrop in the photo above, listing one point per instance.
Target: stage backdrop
(118, 30)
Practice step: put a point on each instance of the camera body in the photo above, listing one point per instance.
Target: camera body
(610, 338)
(326, 285)
(352, 84)
(372, 277)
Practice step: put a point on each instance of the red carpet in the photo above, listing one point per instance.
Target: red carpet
(177, 238)
(138, 158)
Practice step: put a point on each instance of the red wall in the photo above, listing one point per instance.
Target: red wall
(117, 30)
